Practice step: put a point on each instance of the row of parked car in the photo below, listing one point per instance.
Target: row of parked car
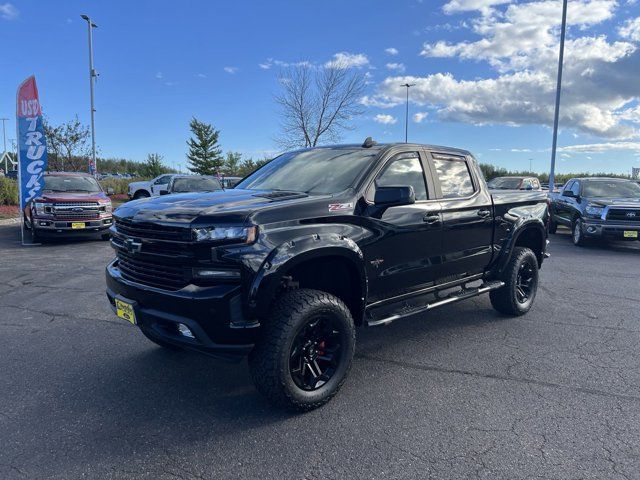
(593, 207)
(75, 204)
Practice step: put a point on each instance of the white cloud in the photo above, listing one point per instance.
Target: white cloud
(231, 70)
(455, 6)
(201, 75)
(347, 60)
(391, 51)
(8, 11)
(418, 117)
(398, 67)
(521, 150)
(385, 119)
(519, 42)
(631, 29)
(270, 62)
(601, 147)
(159, 75)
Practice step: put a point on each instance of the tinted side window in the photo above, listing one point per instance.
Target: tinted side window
(404, 169)
(576, 188)
(163, 180)
(568, 186)
(455, 178)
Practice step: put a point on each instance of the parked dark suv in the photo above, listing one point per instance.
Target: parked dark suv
(606, 208)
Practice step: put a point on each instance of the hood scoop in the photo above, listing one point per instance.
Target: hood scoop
(281, 195)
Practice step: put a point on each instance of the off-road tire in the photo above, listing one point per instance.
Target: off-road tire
(140, 194)
(269, 361)
(158, 341)
(553, 226)
(577, 235)
(506, 299)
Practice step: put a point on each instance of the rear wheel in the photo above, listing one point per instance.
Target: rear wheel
(141, 194)
(576, 233)
(521, 284)
(305, 350)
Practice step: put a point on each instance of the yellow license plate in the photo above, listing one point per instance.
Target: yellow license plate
(76, 225)
(630, 234)
(125, 310)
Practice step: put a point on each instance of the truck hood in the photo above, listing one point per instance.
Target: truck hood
(226, 206)
(604, 202)
(53, 197)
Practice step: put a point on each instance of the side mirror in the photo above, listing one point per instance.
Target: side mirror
(568, 193)
(529, 187)
(394, 196)
(111, 191)
(164, 192)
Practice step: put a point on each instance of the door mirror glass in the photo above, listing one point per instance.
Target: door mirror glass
(394, 196)
(568, 193)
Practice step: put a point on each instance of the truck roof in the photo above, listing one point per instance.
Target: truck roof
(384, 146)
(69, 174)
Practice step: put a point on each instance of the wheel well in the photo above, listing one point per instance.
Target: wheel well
(532, 238)
(335, 275)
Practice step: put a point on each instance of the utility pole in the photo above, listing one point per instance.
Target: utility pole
(530, 165)
(552, 172)
(406, 115)
(4, 141)
(92, 77)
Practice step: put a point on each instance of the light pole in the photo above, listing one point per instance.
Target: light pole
(556, 116)
(4, 133)
(406, 115)
(530, 165)
(92, 76)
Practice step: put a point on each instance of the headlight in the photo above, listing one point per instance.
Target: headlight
(108, 208)
(239, 234)
(594, 210)
(40, 208)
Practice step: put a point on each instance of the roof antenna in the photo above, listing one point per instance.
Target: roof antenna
(368, 143)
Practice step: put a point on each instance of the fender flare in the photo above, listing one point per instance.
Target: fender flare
(295, 252)
(507, 251)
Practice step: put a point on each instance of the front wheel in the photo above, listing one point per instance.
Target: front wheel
(521, 284)
(576, 233)
(553, 226)
(305, 350)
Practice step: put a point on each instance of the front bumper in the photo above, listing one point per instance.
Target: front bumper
(603, 229)
(212, 314)
(47, 226)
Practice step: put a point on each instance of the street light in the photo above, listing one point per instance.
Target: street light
(92, 76)
(552, 172)
(406, 116)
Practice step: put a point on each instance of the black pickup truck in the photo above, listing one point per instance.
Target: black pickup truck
(286, 265)
(597, 208)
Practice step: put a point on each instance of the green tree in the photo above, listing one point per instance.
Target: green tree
(153, 165)
(232, 163)
(205, 155)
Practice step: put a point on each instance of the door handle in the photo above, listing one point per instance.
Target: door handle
(431, 218)
(484, 213)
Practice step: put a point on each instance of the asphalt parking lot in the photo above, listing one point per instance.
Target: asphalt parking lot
(462, 393)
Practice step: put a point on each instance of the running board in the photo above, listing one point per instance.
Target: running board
(454, 297)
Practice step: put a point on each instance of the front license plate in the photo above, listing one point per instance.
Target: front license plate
(630, 234)
(125, 310)
(76, 225)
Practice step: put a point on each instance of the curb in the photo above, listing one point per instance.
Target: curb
(10, 221)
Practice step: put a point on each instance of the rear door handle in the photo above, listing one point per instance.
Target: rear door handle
(484, 213)
(431, 218)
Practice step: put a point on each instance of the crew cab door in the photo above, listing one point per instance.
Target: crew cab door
(160, 184)
(405, 254)
(566, 206)
(467, 216)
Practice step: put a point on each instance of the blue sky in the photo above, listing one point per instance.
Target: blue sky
(484, 71)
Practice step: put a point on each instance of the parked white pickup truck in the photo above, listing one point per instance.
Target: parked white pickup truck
(152, 188)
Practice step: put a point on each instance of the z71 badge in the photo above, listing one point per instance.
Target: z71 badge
(340, 207)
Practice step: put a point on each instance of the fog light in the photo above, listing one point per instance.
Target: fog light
(185, 331)
(591, 229)
(44, 224)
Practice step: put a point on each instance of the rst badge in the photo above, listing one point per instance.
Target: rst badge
(340, 207)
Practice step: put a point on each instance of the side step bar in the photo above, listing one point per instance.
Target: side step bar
(454, 297)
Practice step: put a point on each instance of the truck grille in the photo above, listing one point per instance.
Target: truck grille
(75, 210)
(624, 214)
(150, 273)
(152, 230)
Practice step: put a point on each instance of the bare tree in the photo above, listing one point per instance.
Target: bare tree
(68, 145)
(318, 103)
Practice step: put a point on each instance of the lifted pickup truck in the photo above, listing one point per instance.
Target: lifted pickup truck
(285, 266)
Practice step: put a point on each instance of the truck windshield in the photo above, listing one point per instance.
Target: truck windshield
(64, 183)
(316, 171)
(505, 183)
(611, 189)
(195, 184)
